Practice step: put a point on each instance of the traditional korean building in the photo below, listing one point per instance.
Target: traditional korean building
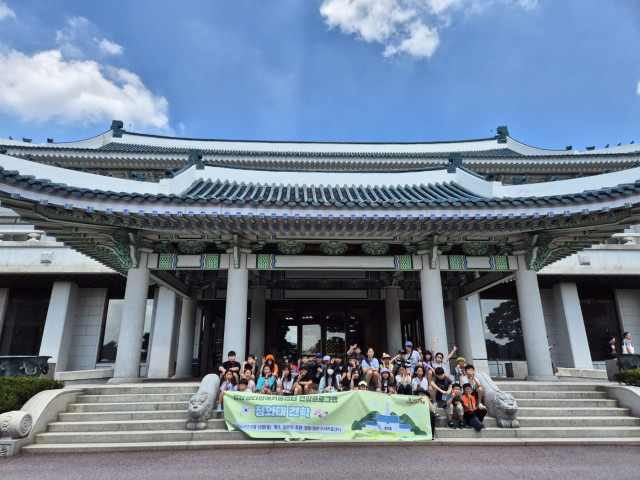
(156, 255)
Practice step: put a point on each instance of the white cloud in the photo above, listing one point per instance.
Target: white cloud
(411, 27)
(372, 21)
(108, 47)
(421, 41)
(46, 86)
(6, 12)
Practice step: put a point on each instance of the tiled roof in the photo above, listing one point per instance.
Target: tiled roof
(341, 196)
(137, 148)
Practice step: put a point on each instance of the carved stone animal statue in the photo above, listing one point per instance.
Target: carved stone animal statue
(201, 404)
(500, 405)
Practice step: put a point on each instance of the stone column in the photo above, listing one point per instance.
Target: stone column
(394, 328)
(184, 361)
(461, 328)
(534, 331)
(127, 366)
(433, 307)
(569, 315)
(476, 334)
(235, 317)
(161, 356)
(4, 301)
(56, 337)
(257, 326)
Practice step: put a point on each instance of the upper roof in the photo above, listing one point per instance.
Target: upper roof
(323, 156)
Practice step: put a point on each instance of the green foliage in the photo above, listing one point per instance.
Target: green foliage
(15, 392)
(628, 377)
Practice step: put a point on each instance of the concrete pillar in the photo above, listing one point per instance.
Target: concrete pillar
(161, 356)
(534, 331)
(394, 328)
(134, 309)
(4, 301)
(461, 329)
(235, 317)
(257, 326)
(56, 337)
(569, 315)
(476, 333)
(184, 360)
(433, 307)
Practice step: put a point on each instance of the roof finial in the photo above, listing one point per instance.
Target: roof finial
(455, 161)
(503, 133)
(116, 128)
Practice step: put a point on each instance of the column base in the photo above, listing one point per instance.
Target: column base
(183, 377)
(121, 380)
(541, 378)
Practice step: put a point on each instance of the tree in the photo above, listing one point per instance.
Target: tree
(504, 321)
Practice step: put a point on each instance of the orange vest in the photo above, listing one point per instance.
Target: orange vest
(469, 403)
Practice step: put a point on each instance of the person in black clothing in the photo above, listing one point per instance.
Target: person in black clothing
(230, 365)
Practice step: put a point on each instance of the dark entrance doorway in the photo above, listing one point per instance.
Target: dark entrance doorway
(297, 327)
(211, 322)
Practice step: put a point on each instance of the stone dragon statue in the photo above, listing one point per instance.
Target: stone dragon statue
(201, 404)
(500, 405)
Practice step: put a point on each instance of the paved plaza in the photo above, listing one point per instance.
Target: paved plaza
(403, 461)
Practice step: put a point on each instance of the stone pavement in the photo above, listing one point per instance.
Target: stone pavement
(372, 462)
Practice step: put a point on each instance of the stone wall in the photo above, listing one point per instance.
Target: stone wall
(85, 334)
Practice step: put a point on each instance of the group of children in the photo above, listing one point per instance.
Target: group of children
(410, 372)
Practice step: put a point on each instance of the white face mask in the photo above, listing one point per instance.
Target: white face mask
(330, 371)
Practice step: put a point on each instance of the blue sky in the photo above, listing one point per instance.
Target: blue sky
(556, 73)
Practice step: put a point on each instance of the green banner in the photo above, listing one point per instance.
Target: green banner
(330, 416)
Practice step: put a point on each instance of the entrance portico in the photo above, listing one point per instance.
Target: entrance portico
(216, 231)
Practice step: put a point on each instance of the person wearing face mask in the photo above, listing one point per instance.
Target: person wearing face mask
(328, 382)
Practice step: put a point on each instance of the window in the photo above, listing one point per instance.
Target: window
(502, 329)
(109, 345)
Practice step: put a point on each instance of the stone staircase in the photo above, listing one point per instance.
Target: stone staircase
(153, 417)
(132, 418)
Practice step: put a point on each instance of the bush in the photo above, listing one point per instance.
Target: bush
(15, 392)
(628, 377)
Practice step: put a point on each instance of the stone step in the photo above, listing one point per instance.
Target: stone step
(128, 425)
(511, 387)
(525, 412)
(574, 421)
(139, 436)
(223, 434)
(134, 397)
(127, 407)
(122, 416)
(210, 445)
(546, 432)
(189, 388)
(524, 394)
(564, 403)
(579, 431)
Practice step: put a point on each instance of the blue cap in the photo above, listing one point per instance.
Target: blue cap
(408, 344)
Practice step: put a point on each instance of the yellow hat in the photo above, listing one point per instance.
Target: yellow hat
(460, 359)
